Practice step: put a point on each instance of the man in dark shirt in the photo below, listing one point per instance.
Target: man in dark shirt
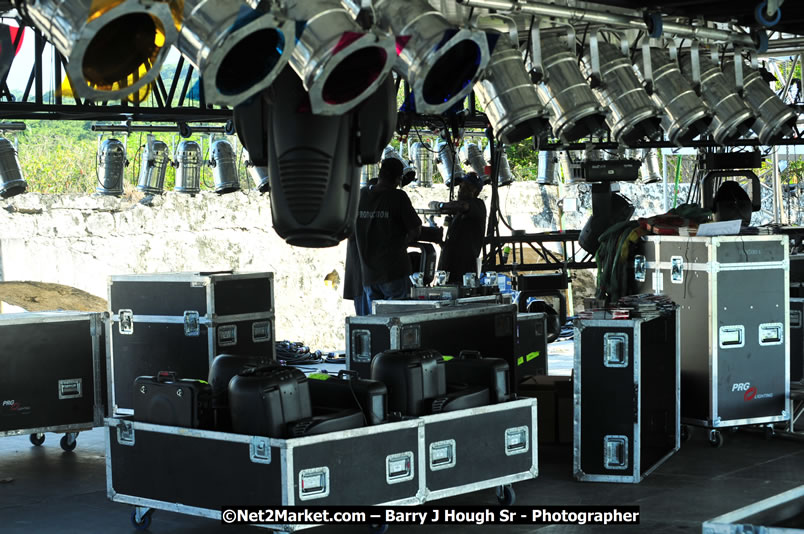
(386, 222)
(466, 231)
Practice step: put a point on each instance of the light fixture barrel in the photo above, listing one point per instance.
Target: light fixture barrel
(224, 167)
(11, 181)
(547, 168)
(448, 167)
(111, 167)
(188, 170)
(155, 159)
(423, 159)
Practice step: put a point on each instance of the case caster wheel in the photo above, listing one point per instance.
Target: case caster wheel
(378, 529)
(37, 439)
(715, 438)
(141, 520)
(68, 442)
(769, 432)
(685, 433)
(506, 495)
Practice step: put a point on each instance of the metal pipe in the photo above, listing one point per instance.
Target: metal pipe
(600, 17)
(152, 128)
(666, 196)
(778, 209)
(12, 126)
(790, 78)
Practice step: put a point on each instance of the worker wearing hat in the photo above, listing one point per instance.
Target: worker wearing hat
(464, 240)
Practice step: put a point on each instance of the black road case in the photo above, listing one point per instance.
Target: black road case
(389, 307)
(531, 344)
(733, 293)
(626, 396)
(180, 321)
(52, 374)
(780, 514)
(478, 448)
(797, 340)
(170, 468)
(489, 329)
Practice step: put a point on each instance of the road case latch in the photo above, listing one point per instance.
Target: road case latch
(410, 337)
(125, 433)
(517, 440)
(771, 334)
(125, 322)
(731, 336)
(615, 349)
(227, 335)
(640, 268)
(313, 483)
(260, 450)
(442, 455)
(615, 452)
(70, 388)
(677, 269)
(192, 324)
(361, 345)
(399, 467)
(261, 331)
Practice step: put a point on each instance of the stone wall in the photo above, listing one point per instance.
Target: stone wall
(81, 240)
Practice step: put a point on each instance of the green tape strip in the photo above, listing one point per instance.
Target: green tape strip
(532, 355)
(447, 358)
(319, 376)
(520, 360)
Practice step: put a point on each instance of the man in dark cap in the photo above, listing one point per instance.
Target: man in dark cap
(386, 223)
(466, 231)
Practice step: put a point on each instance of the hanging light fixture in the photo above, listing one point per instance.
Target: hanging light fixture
(440, 61)
(340, 63)
(633, 116)
(504, 174)
(154, 164)
(112, 164)
(368, 173)
(732, 118)
(651, 170)
(113, 48)
(408, 170)
(508, 96)
(11, 180)
(685, 114)
(423, 160)
(188, 160)
(448, 168)
(547, 168)
(473, 160)
(775, 120)
(238, 47)
(224, 167)
(575, 111)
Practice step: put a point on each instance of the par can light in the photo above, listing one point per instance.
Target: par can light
(408, 170)
(239, 47)
(448, 168)
(547, 168)
(651, 171)
(224, 167)
(155, 160)
(440, 61)
(111, 167)
(423, 160)
(113, 48)
(340, 64)
(188, 161)
(11, 180)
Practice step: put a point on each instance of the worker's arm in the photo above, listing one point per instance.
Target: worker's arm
(410, 219)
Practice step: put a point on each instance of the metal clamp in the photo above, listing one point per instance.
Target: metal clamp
(615, 349)
(125, 433)
(260, 450)
(261, 331)
(615, 452)
(227, 335)
(410, 337)
(70, 388)
(594, 54)
(126, 322)
(517, 440)
(314, 483)
(442, 455)
(677, 269)
(399, 467)
(640, 267)
(192, 324)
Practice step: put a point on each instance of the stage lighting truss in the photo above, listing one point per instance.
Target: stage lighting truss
(188, 161)
(112, 164)
(11, 181)
(238, 47)
(224, 167)
(340, 63)
(440, 61)
(632, 116)
(113, 48)
(155, 160)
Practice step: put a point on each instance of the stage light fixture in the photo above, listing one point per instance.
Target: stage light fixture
(575, 111)
(508, 96)
(238, 47)
(408, 170)
(155, 159)
(775, 120)
(340, 63)
(547, 168)
(423, 159)
(367, 173)
(112, 164)
(504, 174)
(259, 175)
(633, 116)
(11, 181)
(651, 170)
(448, 167)
(732, 117)
(224, 167)
(686, 116)
(571, 162)
(113, 48)
(188, 160)
(440, 61)
(473, 160)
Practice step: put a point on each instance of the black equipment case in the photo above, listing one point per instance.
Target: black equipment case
(734, 296)
(52, 374)
(531, 344)
(179, 321)
(346, 391)
(390, 307)
(626, 396)
(796, 340)
(165, 399)
(489, 329)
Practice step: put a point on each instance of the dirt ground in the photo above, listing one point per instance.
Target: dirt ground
(43, 296)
